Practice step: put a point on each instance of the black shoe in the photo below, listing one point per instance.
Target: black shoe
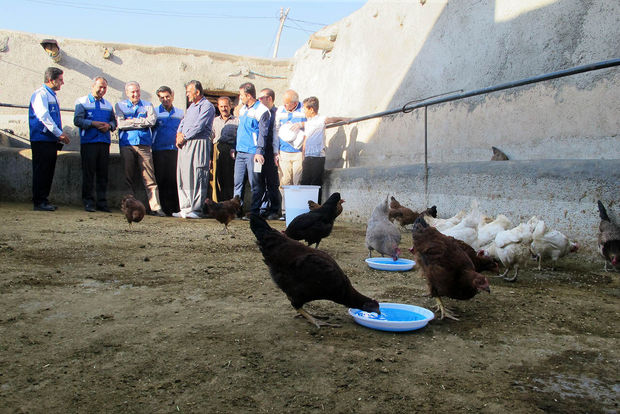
(273, 216)
(158, 213)
(44, 207)
(104, 208)
(89, 208)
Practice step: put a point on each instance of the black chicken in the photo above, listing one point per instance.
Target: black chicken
(315, 225)
(306, 274)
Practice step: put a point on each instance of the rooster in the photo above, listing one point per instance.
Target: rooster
(224, 211)
(381, 234)
(305, 274)
(133, 209)
(447, 268)
(405, 215)
(314, 206)
(315, 225)
(608, 238)
(550, 244)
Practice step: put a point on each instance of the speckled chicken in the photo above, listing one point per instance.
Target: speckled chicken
(133, 209)
(608, 238)
(382, 235)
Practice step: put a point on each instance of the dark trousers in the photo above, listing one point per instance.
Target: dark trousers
(223, 172)
(95, 161)
(244, 163)
(312, 172)
(165, 163)
(272, 199)
(43, 166)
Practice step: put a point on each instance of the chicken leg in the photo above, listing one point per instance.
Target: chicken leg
(445, 312)
(514, 278)
(315, 321)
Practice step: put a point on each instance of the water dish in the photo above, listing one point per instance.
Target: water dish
(387, 263)
(395, 317)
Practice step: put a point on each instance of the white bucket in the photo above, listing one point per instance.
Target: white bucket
(296, 199)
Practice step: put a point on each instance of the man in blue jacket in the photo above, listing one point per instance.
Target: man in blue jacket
(251, 140)
(165, 150)
(94, 116)
(46, 137)
(135, 118)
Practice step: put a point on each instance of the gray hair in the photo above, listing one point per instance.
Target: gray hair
(131, 83)
(196, 84)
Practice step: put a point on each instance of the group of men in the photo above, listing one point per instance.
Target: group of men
(176, 154)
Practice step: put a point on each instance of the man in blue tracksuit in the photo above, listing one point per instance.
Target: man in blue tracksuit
(94, 116)
(251, 138)
(46, 137)
(165, 150)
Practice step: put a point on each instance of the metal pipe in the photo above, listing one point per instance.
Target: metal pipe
(426, 155)
(27, 107)
(553, 75)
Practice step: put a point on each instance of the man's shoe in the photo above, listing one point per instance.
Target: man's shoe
(158, 213)
(273, 216)
(192, 215)
(180, 214)
(245, 218)
(44, 207)
(104, 209)
(283, 218)
(89, 208)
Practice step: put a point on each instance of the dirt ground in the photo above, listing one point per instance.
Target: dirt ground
(173, 316)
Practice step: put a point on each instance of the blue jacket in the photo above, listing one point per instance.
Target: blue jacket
(165, 131)
(282, 117)
(44, 116)
(135, 122)
(253, 128)
(89, 109)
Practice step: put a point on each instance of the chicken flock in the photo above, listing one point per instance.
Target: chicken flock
(451, 253)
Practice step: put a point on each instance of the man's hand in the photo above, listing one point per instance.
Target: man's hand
(180, 140)
(64, 138)
(233, 154)
(296, 126)
(276, 160)
(101, 126)
(259, 158)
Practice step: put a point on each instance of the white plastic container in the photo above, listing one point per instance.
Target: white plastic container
(296, 199)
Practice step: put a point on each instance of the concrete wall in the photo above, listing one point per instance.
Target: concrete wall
(23, 63)
(391, 52)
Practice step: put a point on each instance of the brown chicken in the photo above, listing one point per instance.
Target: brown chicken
(133, 209)
(224, 211)
(305, 274)
(313, 206)
(405, 215)
(481, 261)
(608, 238)
(447, 268)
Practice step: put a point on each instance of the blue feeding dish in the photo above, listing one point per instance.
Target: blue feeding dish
(395, 317)
(387, 263)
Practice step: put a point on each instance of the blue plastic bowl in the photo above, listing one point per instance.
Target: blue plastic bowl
(387, 263)
(395, 317)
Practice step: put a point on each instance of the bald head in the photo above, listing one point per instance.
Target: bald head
(290, 100)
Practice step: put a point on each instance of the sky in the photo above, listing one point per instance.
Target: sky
(235, 27)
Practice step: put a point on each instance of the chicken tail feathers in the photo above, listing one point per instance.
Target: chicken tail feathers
(602, 212)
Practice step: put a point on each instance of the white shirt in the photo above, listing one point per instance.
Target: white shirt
(315, 136)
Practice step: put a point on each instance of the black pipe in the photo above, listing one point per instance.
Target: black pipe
(553, 75)
(27, 107)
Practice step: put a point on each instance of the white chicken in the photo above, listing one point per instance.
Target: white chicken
(512, 247)
(488, 230)
(444, 224)
(550, 244)
(467, 229)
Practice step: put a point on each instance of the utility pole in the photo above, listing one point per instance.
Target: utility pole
(283, 15)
